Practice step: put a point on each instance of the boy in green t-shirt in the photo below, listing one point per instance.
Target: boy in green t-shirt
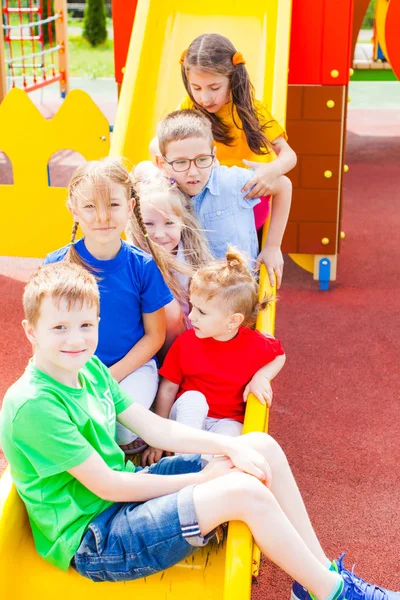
(88, 508)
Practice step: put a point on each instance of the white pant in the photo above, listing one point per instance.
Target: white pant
(142, 386)
(192, 409)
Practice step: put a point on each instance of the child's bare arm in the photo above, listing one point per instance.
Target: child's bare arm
(154, 337)
(271, 254)
(165, 398)
(259, 384)
(115, 486)
(272, 369)
(266, 174)
(118, 486)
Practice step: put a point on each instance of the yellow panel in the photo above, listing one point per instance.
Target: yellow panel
(260, 29)
(34, 217)
(305, 261)
(381, 9)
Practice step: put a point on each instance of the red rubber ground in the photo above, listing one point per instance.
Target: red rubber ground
(337, 402)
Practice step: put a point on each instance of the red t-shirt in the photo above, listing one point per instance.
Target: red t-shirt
(219, 370)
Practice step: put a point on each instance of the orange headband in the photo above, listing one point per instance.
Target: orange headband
(237, 59)
(182, 58)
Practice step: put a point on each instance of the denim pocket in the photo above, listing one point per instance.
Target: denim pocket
(95, 541)
(105, 575)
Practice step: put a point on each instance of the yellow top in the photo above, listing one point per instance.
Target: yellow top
(233, 155)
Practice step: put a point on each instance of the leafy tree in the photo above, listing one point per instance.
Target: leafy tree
(94, 22)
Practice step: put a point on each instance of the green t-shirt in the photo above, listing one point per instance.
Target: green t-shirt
(47, 428)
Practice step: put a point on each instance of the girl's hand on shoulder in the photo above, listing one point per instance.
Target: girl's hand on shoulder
(263, 181)
(249, 460)
(260, 387)
(272, 258)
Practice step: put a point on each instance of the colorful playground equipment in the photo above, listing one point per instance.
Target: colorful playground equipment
(310, 40)
(26, 60)
(386, 45)
(319, 64)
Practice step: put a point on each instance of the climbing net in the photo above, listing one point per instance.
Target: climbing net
(35, 55)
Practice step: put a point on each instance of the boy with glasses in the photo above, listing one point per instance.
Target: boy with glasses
(187, 155)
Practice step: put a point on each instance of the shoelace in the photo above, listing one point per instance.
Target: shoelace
(358, 589)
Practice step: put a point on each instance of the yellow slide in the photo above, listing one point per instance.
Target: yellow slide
(152, 87)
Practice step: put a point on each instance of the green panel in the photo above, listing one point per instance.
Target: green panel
(373, 75)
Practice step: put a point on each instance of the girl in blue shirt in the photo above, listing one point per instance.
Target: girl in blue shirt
(133, 293)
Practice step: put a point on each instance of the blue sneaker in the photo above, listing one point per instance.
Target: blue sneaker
(355, 588)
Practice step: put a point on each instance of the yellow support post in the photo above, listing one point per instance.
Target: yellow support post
(60, 6)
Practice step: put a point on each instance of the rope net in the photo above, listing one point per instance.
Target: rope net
(32, 50)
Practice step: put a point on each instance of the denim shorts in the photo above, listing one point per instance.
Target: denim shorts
(132, 540)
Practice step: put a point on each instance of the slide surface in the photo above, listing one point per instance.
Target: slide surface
(152, 87)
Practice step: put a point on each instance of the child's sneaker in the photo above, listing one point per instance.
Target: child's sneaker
(354, 588)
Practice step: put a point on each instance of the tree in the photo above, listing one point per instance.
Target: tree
(94, 22)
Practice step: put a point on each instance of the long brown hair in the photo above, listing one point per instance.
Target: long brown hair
(213, 53)
(100, 175)
(233, 283)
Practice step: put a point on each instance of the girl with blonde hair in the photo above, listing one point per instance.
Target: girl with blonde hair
(133, 293)
(170, 224)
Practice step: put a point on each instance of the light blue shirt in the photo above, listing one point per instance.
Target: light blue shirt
(223, 213)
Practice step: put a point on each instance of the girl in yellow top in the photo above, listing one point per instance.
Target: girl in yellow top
(218, 85)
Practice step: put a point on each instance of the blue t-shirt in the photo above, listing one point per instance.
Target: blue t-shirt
(224, 214)
(130, 284)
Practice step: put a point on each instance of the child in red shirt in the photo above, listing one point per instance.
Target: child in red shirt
(210, 370)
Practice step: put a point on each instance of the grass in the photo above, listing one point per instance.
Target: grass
(85, 61)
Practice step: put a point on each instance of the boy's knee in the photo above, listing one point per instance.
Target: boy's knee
(265, 444)
(245, 491)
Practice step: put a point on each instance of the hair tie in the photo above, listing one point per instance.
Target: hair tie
(237, 59)
(146, 235)
(182, 58)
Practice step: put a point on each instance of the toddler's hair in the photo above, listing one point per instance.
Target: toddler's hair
(181, 125)
(59, 281)
(233, 283)
(213, 53)
(100, 174)
(195, 247)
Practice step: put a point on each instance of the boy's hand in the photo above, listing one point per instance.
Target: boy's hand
(152, 455)
(272, 258)
(260, 387)
(217, 467)
(263, 180)
(248, 460)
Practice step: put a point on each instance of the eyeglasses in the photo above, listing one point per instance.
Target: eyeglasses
(201, 162)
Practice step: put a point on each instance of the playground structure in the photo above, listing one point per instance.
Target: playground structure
(316, 107)
(24, 55)
(386, 45)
